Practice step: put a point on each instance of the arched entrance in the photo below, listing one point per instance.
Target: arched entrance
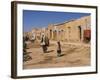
(55, 35)
(50, 34)
(62, 34)
(59, 35)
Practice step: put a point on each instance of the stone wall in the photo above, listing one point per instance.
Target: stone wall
(71, 31)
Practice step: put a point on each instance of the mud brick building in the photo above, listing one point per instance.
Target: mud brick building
(76, 30)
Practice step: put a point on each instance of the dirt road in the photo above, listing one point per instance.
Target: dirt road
(73, 54)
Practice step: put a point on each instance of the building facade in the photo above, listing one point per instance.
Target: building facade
(74, 30)
(71, 31)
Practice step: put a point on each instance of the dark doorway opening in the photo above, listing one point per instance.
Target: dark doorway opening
(80, 32)
(50, 33)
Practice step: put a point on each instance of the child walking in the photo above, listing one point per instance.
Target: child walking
(58, 49)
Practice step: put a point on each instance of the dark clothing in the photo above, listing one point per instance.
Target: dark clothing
(47, 41)
(44, 48)
(58, 53)
(59, 49)
(44, 44)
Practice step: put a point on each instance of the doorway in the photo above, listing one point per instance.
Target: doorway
(80, 32)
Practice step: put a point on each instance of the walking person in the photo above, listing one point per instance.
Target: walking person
(33, 37)
(47, 41)
(58, 49)
(43, 44)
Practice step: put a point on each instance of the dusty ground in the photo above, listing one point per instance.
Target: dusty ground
(73, 54)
